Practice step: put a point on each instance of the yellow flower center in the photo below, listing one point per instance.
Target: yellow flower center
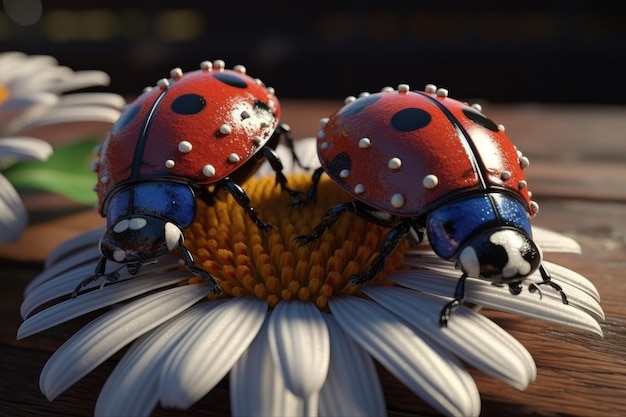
(272, 266)
(4, 94)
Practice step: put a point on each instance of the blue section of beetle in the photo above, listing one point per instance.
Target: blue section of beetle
(168, 200)
(450, 226)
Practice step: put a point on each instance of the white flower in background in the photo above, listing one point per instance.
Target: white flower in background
(293, 335)
(36, 111)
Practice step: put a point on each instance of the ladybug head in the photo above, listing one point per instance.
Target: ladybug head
(488, 235)
(145, 220)
(500, 255)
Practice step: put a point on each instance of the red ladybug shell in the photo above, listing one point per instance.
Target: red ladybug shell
(405, 152)
(196, 127)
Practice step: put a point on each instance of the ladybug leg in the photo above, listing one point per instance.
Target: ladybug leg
(547, 280)
(98, 273)
(315, 179)
(459, 295)
(277, 166)
(193, 268)
(284, 131)
(244, 201)
(390, 242)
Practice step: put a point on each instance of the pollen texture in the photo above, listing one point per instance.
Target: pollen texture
(271, 266)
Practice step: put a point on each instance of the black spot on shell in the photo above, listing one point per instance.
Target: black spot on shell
(410, 119)
(357, 105)
(188, 104)
(340, 162)
(231, 79)
(480, 119)
(127, 116)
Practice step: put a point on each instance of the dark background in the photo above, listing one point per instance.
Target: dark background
(509, 51)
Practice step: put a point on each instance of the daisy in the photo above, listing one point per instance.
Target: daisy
(291, 333)
(36, 112)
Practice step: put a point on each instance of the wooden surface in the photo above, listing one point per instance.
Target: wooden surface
(578, 176)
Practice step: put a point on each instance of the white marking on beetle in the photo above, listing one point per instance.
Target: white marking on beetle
(233, 157)
(172, 235)
(512, 243)
(344, 173)
(397, 200)
(395, 163)
(245, 115)
(225, 129)
(468, 259)
(208, 170)
(121, 226)
(524, 162)
(185, 146)
(137, 223)
(119, 255)
(430, 88)
(364, 143)
(359, 189)
(104, 179)
(430, 181)
(170, 163)
(505, 175)
(176, 73)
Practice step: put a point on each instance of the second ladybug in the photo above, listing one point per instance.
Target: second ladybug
(205, 129)
(420, 163)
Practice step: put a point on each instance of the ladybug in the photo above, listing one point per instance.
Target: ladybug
(190, 136)
(421, 163)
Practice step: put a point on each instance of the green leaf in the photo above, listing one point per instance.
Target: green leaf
(67, 172)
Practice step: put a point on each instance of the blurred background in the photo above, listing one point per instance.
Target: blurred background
(531, 51)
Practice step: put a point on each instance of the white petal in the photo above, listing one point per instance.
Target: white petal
(300, 346)
(97, 341)
(77, 243)
(52, 123)
(66, 282)
(482, 293)
(85, 303)
(132, 389)
(564, 275)
(24, 149)
(471, 336)
(257, 387)
(550, 241)
(433, 375)
(209, 350)
(13, 215)
(16, 105)
(86, 258)
(112, 100)
(353, 387)
(80, 79)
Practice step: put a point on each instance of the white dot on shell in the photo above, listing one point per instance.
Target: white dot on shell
(534, 207)
(522, 184)
(245, 115)
(524, 162)
(104, 179)
(395, 163)
(225, 129)
(364, 143)
(359, 189)
(430, 88)
(240, 69)
(169, 163)
(163, 83)
(430, 181)
(324, 145)
(176, 73)
(505, 175)
(403, 88)
(208, 170)
(323, 121)
(344, 173)
(257, 140)
(397, 200)
(233, 157)
(184, 146)
(442, 92)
